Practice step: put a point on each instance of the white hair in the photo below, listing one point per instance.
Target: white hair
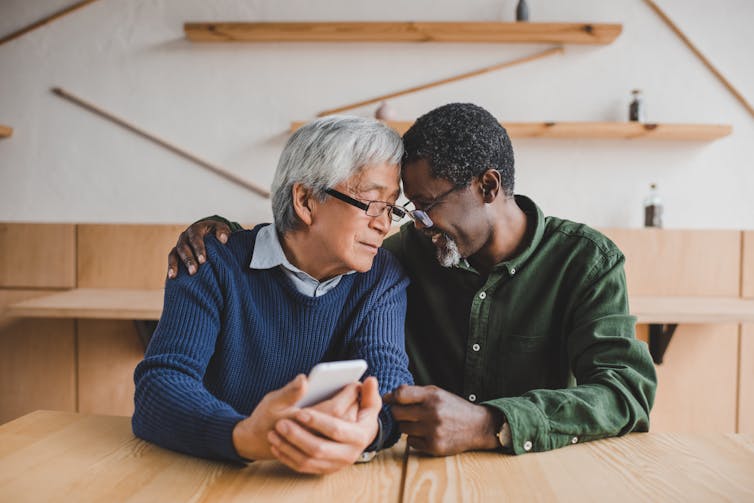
(325, 152)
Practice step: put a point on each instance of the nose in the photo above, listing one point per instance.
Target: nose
(381, 222)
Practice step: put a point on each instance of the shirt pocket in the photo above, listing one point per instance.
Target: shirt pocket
(520, 343)
(526, 363)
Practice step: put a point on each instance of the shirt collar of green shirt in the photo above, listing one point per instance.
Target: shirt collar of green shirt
(535, 230)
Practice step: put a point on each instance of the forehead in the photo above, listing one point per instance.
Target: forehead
(382, 177)
(419, 184)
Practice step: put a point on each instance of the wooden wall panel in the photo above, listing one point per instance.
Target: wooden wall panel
(747, 282)
(680, 262)
(746, 381)
(37, 361)
(696, 389)
(108, 353)
(37, 255)
(124, 256)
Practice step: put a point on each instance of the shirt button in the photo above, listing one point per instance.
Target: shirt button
(483, 295)
(475, 347)
(527, 445)
(513, 271)
(574, 440)
(472, 397)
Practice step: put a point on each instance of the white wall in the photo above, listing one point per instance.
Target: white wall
(232, 104)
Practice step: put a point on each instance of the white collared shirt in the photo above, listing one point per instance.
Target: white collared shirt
(268, 253)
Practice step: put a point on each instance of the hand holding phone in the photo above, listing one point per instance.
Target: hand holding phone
(326, 379)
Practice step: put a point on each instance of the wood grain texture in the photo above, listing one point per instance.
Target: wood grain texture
(696, 390)
(691, 309)
(37, 361)
(103, 461)
(124, 256)
(37, 255)
(747, 265)
(563, 33)
(94, 303)
(108, 352)
(684, 263)
(637, 467)
(596, 130)
(746, 380)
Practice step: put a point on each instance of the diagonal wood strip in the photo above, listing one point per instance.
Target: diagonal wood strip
(153, 138)
(702, 58)
(549, 52)
(45, 20)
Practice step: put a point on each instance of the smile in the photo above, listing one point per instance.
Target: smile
(370, 247)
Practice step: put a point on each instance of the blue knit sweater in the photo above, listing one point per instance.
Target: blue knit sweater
(230, 334)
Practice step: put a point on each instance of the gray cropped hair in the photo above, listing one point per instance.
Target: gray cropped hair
(325, 152)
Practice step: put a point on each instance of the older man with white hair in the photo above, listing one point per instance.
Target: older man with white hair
(224, 368)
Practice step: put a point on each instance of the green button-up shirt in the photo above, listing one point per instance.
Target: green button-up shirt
(546, 337)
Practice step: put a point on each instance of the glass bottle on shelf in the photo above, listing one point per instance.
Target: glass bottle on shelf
(653, 208)
(522, 11)
(636, 108)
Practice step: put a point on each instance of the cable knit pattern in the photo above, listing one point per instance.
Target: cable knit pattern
(230, 334)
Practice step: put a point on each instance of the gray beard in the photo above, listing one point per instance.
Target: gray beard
(448, 254)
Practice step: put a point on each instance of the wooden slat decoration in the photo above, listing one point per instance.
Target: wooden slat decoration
(696, 389)
(747, 266)
(597, 130)
(746, 380)
(37, 361)
(5, 131)
(37, 255)
(562, 33)
(681, 263)
(108, 352)
(124, 256)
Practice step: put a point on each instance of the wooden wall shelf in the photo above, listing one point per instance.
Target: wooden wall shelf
(5, 131)
(695, 310)
(597, 130)
(560, 33)
(146, 304)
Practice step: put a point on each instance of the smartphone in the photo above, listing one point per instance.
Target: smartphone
(326, 379)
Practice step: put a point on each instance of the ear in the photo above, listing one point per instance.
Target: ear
(302, 203)
(490, 184)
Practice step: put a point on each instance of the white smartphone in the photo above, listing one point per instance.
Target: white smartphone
(326, 379)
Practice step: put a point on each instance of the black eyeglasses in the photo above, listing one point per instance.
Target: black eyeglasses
(422, 215)
(371, 208)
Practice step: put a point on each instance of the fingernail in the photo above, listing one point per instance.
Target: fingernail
(171, 274)
(304, 417)
(224, 238)
(192, 269)
(282, 427)
(201, 259)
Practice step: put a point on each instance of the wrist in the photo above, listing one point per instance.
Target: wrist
(245, 442)
(489, 427)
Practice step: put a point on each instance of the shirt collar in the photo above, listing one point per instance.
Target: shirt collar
(268, 253)
(534, 220)
(535, 230)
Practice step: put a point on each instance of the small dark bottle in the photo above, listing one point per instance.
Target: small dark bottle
(653, 208)
(522, 11)
(636, 108)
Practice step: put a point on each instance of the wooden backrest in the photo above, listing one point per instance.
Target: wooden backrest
(681, 262)
(37, 255)
(747, 265)
(124, 255)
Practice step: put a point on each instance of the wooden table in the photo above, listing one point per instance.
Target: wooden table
(56, 456)
(127, 304)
